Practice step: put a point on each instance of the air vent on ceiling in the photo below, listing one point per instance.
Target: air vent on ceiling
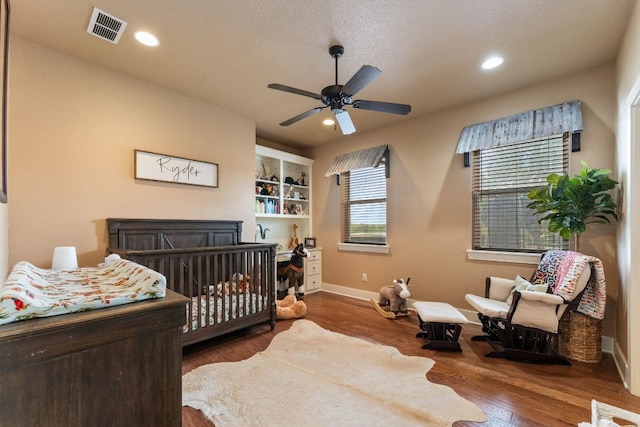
(105, 26)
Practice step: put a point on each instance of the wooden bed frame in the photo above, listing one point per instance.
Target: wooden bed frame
(201, 260)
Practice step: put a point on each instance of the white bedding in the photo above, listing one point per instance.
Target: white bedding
(232, 310)
(31, 292)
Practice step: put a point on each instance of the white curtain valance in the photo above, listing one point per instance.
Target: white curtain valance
(532, 124)
(367, 158)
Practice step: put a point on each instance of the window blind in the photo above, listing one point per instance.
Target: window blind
(502, 178)
(364, 204)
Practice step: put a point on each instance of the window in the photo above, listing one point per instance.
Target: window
(364, 205)
(502, 177)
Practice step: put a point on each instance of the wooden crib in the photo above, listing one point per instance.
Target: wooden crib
(230, 284)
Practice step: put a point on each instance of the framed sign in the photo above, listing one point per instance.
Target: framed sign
(162, 167)
(4, 64)
(310, 242)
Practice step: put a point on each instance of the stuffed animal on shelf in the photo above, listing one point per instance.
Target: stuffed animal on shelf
(290, 308)
(395, 297)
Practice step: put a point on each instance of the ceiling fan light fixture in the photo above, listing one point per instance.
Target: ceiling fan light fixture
(328, 122)
(493, 62)
(344, 121)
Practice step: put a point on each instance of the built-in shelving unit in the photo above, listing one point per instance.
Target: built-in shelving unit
(282, 195)
(283, 185)
(283, 207)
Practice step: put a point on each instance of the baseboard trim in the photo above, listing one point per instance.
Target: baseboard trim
(621, 363)
(349, 292)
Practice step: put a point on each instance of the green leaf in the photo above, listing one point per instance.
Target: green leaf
(569, 203)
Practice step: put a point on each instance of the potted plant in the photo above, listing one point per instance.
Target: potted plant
(570, 203)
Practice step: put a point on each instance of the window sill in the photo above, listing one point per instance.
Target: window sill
(495, 256)
(353, 247)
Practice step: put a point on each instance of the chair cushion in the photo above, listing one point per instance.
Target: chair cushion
(438, 312)
(498, 288)
(488, 307)
(544, 297)
(537, 310)
(521, 284)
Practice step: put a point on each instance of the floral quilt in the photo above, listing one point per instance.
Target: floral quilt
(31, 292)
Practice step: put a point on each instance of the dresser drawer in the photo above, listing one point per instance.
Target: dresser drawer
(314, 256)
(313, 283)
(313, 267)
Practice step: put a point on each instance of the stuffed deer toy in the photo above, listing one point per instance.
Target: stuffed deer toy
(395, 296)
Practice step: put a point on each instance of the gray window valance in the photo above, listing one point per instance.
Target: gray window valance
(532, 124)
(367, 158)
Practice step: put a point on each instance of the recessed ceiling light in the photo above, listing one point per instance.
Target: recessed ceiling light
(146, 39)
(492, 62)
(328, 122)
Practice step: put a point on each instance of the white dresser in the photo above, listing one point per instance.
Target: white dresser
(313, 270)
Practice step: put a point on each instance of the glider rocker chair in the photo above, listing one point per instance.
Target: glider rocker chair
(521, 319)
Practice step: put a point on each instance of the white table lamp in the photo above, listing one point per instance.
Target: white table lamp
(64, 258)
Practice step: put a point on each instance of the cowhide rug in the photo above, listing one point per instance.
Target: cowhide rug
(309, 376)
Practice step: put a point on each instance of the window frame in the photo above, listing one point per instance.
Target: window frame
(550, 240)
(346, 203)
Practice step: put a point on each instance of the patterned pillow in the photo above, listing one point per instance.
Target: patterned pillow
(520, 284)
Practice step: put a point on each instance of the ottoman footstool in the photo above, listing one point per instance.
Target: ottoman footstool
(440, 325)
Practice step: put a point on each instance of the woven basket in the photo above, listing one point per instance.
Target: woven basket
(579, 337)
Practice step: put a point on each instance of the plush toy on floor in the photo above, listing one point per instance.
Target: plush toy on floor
(290, 308)
(395, 297)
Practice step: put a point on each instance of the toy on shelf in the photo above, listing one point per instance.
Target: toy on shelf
(393, 299)
(294, 240)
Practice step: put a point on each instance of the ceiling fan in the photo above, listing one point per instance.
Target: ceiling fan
(340, 96)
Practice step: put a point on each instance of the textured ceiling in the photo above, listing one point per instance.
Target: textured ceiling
(226, 52)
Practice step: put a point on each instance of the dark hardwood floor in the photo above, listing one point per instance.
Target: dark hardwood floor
(509, 393)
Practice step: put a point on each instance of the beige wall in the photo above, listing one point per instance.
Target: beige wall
(628, 160)
(276, 146)
(4, 241)
(429, 199)
(73, 128)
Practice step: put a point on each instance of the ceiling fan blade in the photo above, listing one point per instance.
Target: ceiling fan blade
(344, 120)
(383, 107)
(302, 116)
(294, 90)
(365, 75)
